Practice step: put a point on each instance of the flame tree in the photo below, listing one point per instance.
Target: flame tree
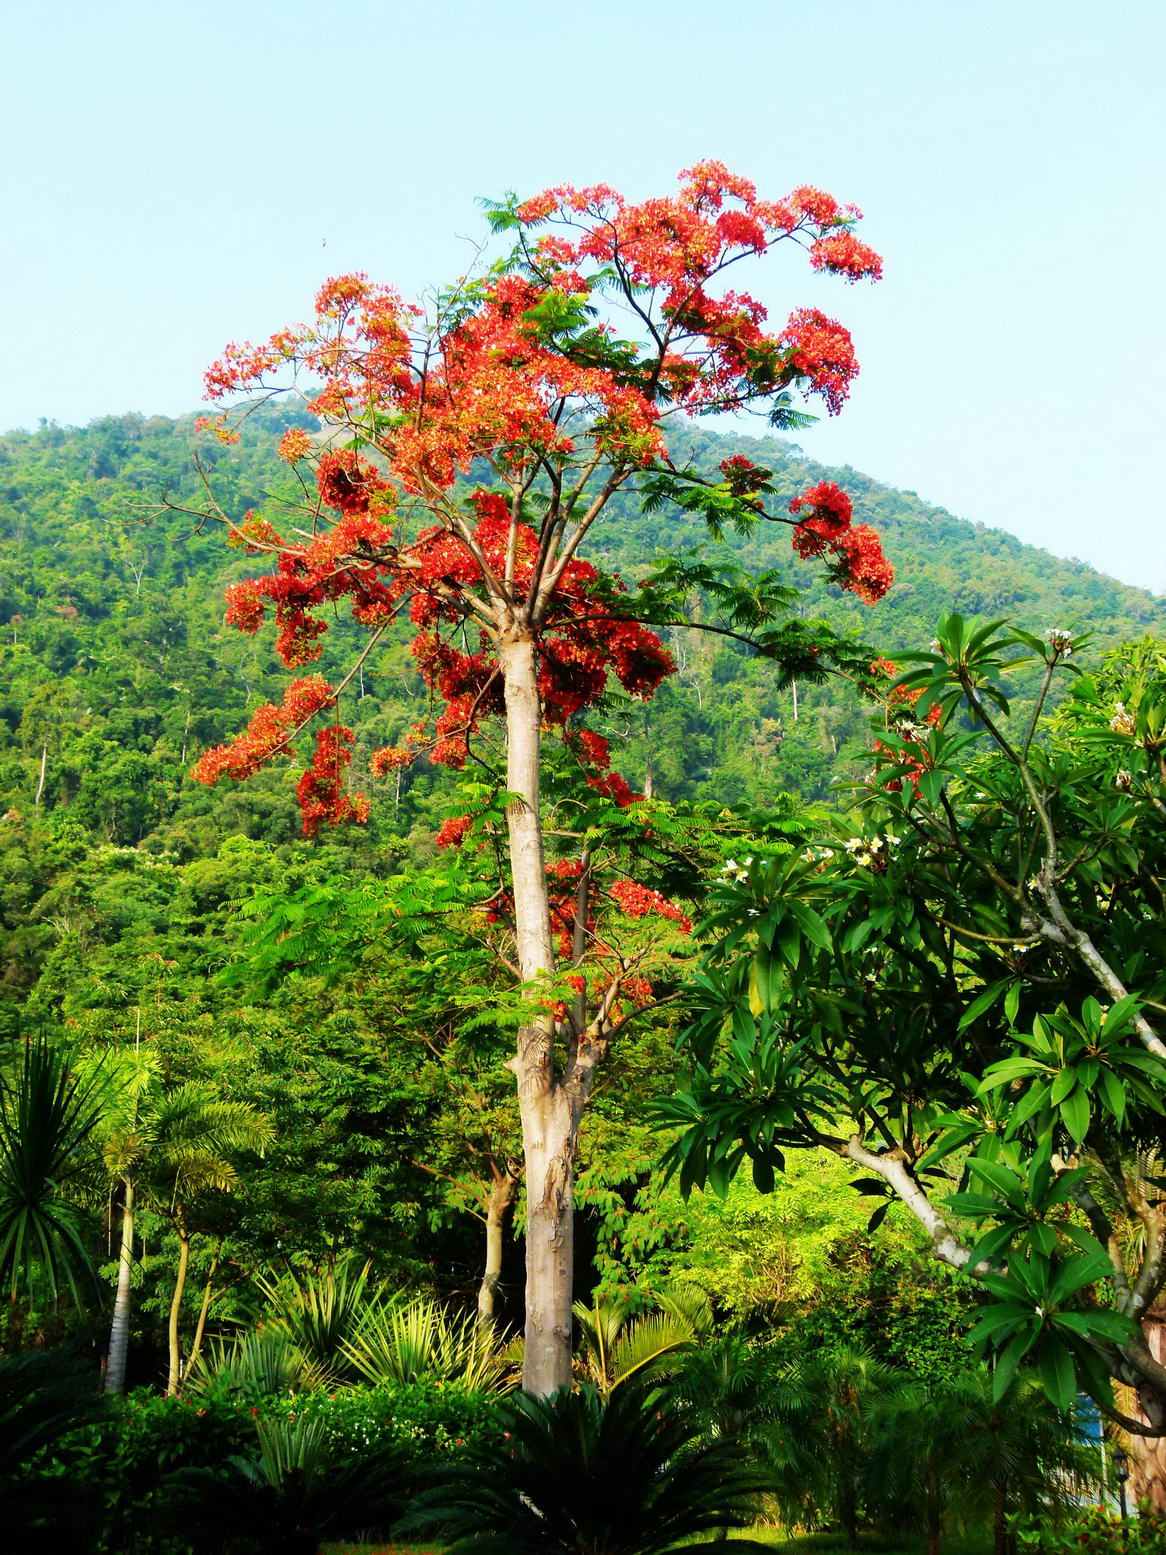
(474, 447)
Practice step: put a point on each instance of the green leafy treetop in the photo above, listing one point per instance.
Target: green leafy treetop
(961, 990)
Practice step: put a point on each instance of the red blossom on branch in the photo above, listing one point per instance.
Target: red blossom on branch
(452, 832)
(492, 380)
(639, 901)
(855, 552)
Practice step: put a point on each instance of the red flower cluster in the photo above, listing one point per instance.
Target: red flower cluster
(267, 734)
(320, 790)
(294, 445)
(452, 832)
(639, 901)
(842, 254)
(856, 555)
(742, 476)
(820, 351)
(349, 483)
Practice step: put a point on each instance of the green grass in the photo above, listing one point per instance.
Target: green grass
(791, 1544)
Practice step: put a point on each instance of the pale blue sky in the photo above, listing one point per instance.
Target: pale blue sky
(178, 176)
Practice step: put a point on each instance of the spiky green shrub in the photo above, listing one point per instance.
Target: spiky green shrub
(321, 1312)
(289, 1489)
(263, 1362)
(590, 1473)
(420, 1341)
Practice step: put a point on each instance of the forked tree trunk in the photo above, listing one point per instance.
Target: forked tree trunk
(1148, 1453)
(174, 1372)
(503, 1191)
(119, 1333)
(549, 1120)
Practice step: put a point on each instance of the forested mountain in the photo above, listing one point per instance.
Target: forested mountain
(116, 668)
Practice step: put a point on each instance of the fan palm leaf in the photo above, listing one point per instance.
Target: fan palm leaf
(47, 1120)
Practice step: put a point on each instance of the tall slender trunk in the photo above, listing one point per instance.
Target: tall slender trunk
(200, 1326)
(934, 1528)
(44, 766)
(1000, 1517)
(503, 1191)
(550, 1120)
(174, 1373)
(119, 1333)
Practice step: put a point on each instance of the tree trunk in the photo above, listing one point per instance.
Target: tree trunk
(934, 1529)
(549, 1120)
(119, 1333)
(200, 1326)
(503, 1190)
(1148, 1453)
(174, 1373)
(1000, 1518)
(551, 1134)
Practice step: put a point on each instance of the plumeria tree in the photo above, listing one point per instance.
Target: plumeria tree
(961, 991)
(471, 450)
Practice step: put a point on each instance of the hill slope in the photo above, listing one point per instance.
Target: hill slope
(116, 668)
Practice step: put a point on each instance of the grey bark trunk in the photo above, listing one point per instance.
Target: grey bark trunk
(44, 767)
(503, 1190)
(549, 1121)
(174, 1373)
(119, 1333)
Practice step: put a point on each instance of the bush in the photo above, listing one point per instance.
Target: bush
(289, 1490)
(127, 1458)
(423, 1420)
(1095, 1532)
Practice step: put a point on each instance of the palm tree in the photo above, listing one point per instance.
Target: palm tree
(48, 1116)
(196, 1133)
(818, 1439)
(738, 1390)
(615, 1347)
(168, 1144)
(589, 1473)
(952, 1454)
